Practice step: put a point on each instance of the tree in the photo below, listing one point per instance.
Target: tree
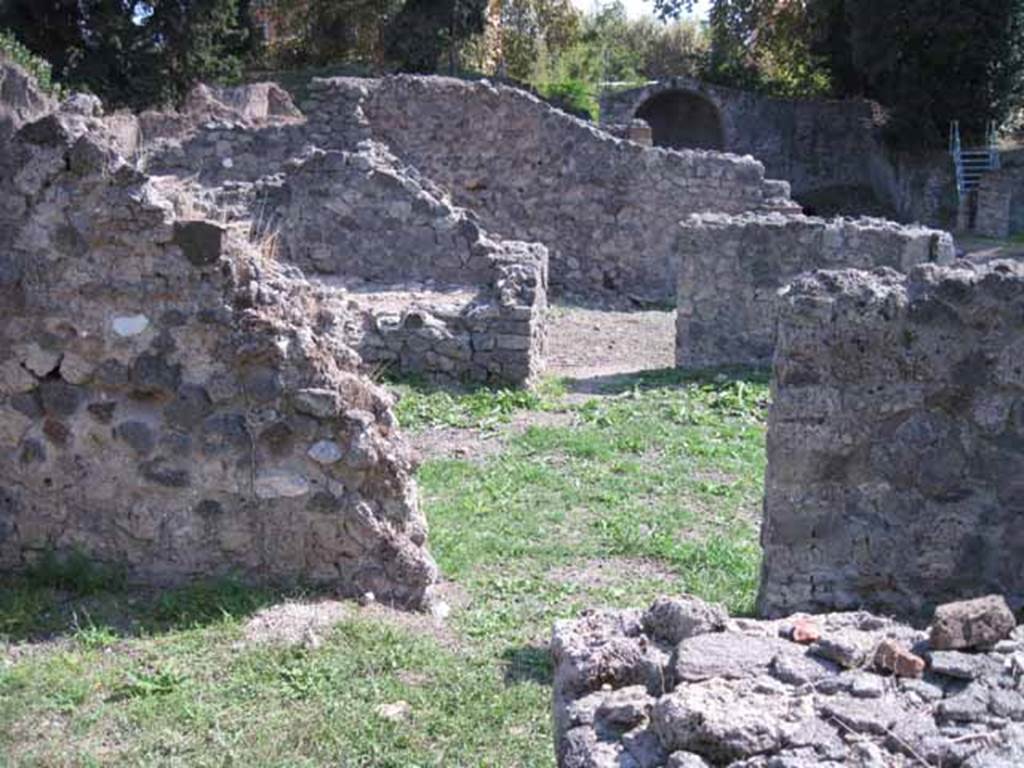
(532, 30)
(424, 29)
(933, 61)
(928, 61)
(321, 32)
(198, 40)
(131, 52)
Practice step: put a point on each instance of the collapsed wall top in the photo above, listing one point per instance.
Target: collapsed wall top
(605, 208)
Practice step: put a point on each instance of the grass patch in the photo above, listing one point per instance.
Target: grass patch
(660, 482)
(423, 405)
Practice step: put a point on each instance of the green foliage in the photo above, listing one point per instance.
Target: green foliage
(424, 29)
(532, 30)
(332, 32)
(928, 61)
(134, 53)
(934, 61)
(568, 56)
(424, 406)
(573, 96)
(74, 572)
(207, 602)
(36, 66)
(146, 683)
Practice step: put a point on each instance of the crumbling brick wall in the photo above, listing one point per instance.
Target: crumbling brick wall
(173, 401)
(732, 268)
(896, 440)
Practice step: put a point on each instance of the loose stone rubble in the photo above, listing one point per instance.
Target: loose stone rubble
(732, 268)
(174, 401)
(684, 686)
(896, 440)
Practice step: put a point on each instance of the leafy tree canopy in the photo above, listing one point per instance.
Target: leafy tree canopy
(928, 61)
(131, 52)
(424, 29)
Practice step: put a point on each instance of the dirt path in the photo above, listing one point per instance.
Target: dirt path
(982, 249)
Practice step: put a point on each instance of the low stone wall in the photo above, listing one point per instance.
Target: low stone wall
(732, 268)
(495, 335)
(606, 209)
(173, 400)
(682, 685)
(896, 440)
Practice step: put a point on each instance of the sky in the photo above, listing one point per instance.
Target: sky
(638, 8)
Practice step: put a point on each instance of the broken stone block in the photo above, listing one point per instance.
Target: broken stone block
(892, 657)
(673, 619)
(41, 362)
(727, 655)
(686, 760)
(965, 666)
(319, 403)
(722, 721)
(625, 707)
(804, 632)
(977, 623)
(847, 648)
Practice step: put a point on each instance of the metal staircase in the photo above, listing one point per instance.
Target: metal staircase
(973, 163)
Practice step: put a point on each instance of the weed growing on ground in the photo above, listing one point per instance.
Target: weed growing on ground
(425, 406)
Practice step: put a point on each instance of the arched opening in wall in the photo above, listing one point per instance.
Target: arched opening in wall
(683, 120)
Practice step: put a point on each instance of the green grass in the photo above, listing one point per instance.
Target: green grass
(661, 480)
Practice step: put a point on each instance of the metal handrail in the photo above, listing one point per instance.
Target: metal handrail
(973, 163)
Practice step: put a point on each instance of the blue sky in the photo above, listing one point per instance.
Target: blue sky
(637, 8)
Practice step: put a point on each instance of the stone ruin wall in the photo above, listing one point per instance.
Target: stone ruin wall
(20, 101)
(732, 268)
(173, 401)
(813, 144)
(605, 208)
(434, 293)
(896, 440)
(830, 151)
(393, 240)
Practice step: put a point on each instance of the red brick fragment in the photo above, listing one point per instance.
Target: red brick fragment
(890, 656)
(805, 632)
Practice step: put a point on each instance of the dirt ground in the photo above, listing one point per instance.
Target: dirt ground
(588, 345)
(982, 249)
(591, 350)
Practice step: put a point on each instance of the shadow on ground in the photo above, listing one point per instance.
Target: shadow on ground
(529, 663)
(620, 383)
(36, 611)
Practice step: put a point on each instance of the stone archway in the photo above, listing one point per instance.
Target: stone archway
(683, 120)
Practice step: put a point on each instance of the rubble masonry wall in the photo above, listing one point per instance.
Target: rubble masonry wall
(895, 473)
(732, 268)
